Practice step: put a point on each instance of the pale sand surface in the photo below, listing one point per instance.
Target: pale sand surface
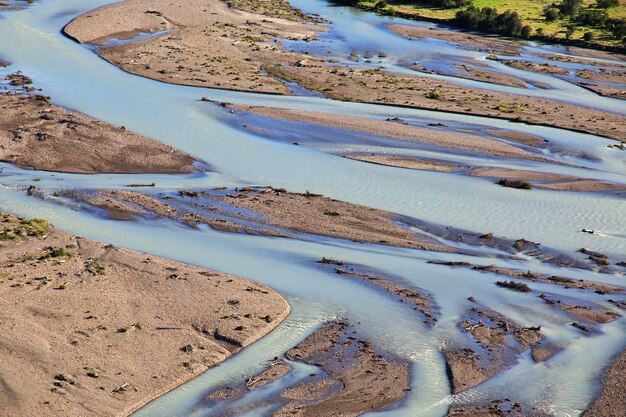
(520, 137)
(376, 86)
(366, 379)
(609, 91)
(493, 77)
(612, 400)
(542, 180)
(222, 50)
(210, 44)
(293, 212)
(40, 135)
(396, 130)
(354, 377)
(73, 329)
(422, 165)
(484, 43)
(328, 217)
(531, 66)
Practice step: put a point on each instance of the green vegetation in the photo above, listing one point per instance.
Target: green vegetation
(434, 95)
(58, 253)
(14, 228)
(592, 23)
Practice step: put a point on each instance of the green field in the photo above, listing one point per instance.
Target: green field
(531, 12)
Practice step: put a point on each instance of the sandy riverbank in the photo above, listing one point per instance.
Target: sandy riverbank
(612, 399)
(210, 44)
(37, 134)
(354, 377)
(90, 329)
(398, 130)
(496, 145)
(540, 180)
(237, 50)
(267, 211)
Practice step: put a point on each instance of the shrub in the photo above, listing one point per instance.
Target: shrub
(551, 13)
(570, 7)
(513, 285)
(434, 95)
(519, 184)
(489, 20)
(591, 17)
(606, 4)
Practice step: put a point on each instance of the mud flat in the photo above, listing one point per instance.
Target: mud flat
(598, 287)
(608, 80)
(415, 298)
(398, 129)
(90, 329)
(37, 134)
(473, 73)
(378, 86)
(595, 81)
(354, 377)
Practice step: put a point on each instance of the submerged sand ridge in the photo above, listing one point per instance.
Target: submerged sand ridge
(90, 329)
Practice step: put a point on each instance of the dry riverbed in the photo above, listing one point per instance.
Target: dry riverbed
(90, 329)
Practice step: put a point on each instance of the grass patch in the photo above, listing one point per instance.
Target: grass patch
(15, 228)
(529, 11)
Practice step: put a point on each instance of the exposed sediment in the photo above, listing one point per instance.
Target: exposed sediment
(268, 211)
(90, 329)
(396, 129)
(209, 44)
(239, 50)
(354, 377)
(415, 298)
(37, 134)
(496, 343)
(612, 399)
